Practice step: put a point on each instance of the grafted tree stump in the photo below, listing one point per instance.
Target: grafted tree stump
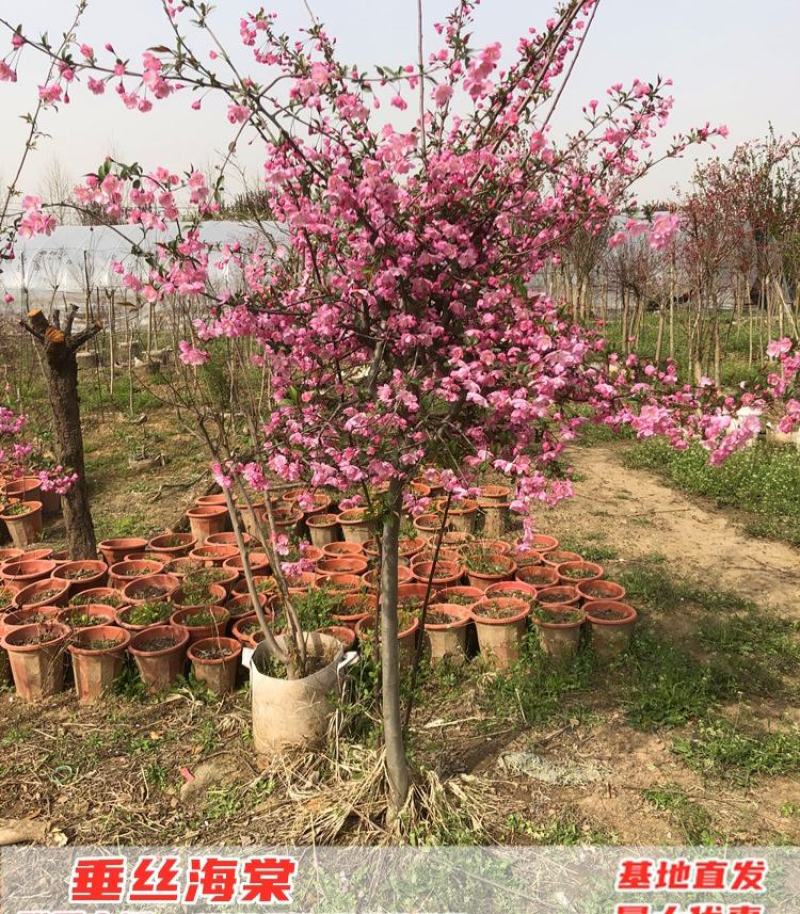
(61, 370)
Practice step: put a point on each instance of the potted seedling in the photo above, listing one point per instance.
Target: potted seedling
(36, 655)
(446, 632)
(485, 567)
(160, 655)
(501, 623)
(612, 624)
(215, 662)
(144, 615)
(24, 522)
(559, 629)
(98, 658)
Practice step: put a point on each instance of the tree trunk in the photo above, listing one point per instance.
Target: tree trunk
(61, 371)
(396, 764)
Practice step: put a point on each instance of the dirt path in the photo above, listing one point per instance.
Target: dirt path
(638, 516)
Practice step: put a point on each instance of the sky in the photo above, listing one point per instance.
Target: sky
(732, 61)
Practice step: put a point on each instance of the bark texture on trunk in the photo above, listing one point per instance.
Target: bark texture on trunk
(396, 765)
(61, 370)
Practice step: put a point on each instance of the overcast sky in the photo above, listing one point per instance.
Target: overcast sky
(732, 61)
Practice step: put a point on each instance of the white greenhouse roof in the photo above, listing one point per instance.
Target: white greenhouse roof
(60, 262)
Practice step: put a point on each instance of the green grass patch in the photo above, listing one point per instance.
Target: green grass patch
(719, 748)
(692, 819)
(762, 480)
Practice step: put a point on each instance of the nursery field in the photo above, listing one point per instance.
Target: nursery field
(692, 737)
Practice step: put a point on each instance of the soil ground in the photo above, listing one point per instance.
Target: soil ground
(693, 737)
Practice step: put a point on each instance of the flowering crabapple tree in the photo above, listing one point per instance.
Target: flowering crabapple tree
(398, 321)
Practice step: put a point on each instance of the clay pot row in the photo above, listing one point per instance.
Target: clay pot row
(36, 655)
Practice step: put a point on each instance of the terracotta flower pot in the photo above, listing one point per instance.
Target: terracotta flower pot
(7, 592)
(460, 595)
(80, 617)
(30, 615)
(559, 630)
(107, 596)
(495, 519)
(124, 572)
(490, 545)
(49, 592)
(342, 633)
(212, 556)
(420, 489)
(287, 520)
(517, 589)
(98, 658)
(445, 632)
(349, 583)
(323, 529)
(372, 578)
(194, 621)
(428, 524)
(247, 630)
(526, 558)
(344, 565)
(353, 608)
(557, 557)
(406, 638)
(482, 579)
(38, 553)
(181, 567)
(28, 488)
(538, 576)
(501, 623)
(205, 520)
(356, 526)
(576, 572)
(131, 618)
(241, 606)
(147, 556)
(445, 574)
(560, 595)
(150, 587)
(259, 564)
(215, 662)
(493, 495)
(184, 598)
(543, 543)
(229, 539)
(25, 528)
(174, 545)
(600, 590)
(612, 624)
(254, 517)
(264, 585)
(408, 547)
(26, 571)
(51, 503)
(445, 555)
(115, 550)
(342, 550)
(214, 500)
(36, 655)
(461, 515)
(83, 575)
(10, 554)
(303, 582)
(160, 655)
